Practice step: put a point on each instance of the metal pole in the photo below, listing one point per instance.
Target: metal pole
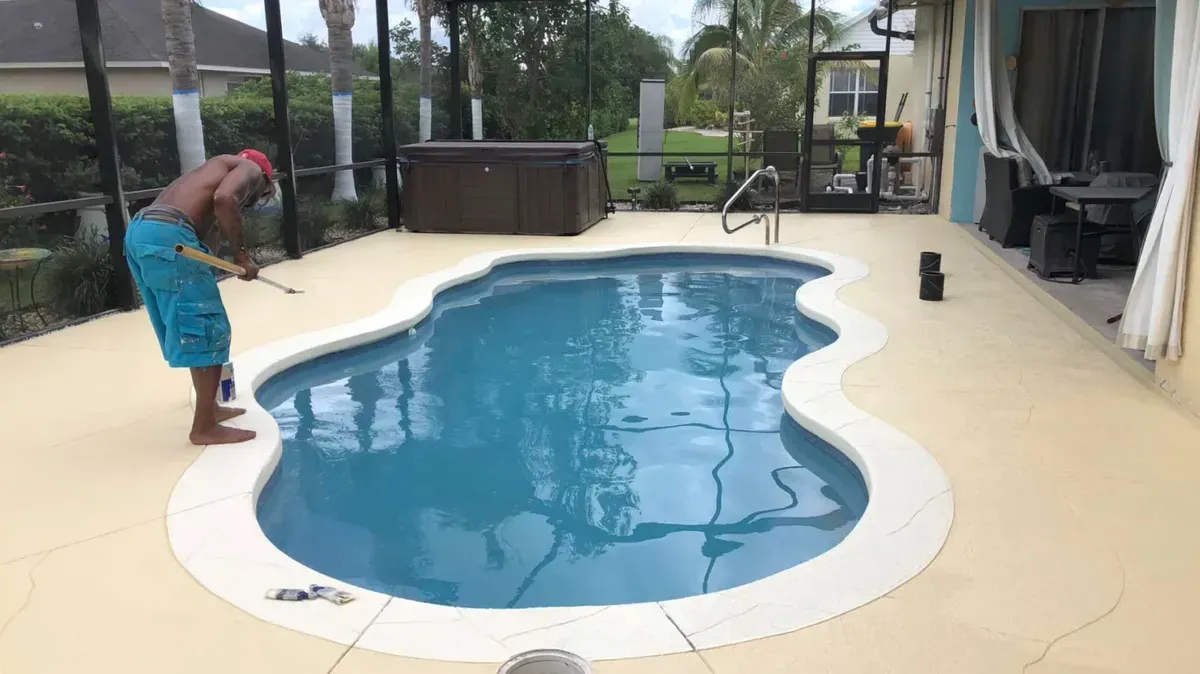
(100, 98)
(879, 171)
(387, 112)
(284, 160)
(587, 41)
(455, 73)
(776, 177)
(733, 37)
(810, 98)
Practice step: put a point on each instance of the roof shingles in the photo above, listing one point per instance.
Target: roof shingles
(47, 31)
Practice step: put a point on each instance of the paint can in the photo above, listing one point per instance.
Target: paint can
(930, 262)
(226, 391)
(933, 285)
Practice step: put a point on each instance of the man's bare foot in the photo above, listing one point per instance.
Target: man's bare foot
(227, 413)
(221, 435)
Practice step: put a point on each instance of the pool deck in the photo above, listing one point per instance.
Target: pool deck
(1073, 549)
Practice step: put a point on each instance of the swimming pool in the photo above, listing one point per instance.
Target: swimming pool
(565, 434)
(214, 511)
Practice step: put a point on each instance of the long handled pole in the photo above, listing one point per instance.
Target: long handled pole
(200, 256)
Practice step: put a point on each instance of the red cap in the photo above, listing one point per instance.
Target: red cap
(258, 158)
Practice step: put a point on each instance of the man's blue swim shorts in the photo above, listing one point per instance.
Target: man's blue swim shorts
(180, 294)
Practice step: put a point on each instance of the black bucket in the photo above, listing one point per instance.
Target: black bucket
(930, 262)
(933, 285)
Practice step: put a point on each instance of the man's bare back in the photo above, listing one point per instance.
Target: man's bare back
(195, 194)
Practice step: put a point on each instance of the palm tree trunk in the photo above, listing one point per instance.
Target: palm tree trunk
(341, 60)
(425, 16)
(185, 82)
(475, 71)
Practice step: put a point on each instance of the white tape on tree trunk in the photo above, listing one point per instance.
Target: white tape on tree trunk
(426, 118)
(477, 118)
(343, 128)
(189, 131)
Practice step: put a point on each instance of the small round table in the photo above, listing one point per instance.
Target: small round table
(12, 262)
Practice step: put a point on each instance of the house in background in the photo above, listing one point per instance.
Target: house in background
(856, 92)
(39, 49)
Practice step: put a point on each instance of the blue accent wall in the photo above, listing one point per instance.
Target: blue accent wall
(967, 141)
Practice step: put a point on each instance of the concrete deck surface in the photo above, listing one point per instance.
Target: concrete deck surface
(1073, 550)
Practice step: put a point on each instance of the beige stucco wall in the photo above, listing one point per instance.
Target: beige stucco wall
(214, 84)
(901, 79)
(121, 81)
(953, 87)
(42, 81)
(1181, 379)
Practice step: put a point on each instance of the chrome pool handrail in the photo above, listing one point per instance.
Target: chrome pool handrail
(771, 171)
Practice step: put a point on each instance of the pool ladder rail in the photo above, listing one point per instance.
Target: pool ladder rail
(774, 175)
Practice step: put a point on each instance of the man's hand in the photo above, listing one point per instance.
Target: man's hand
(246, 263)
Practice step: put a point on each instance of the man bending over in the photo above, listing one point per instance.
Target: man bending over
(181, 294)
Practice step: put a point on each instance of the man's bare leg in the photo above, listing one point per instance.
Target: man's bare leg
(206, 427)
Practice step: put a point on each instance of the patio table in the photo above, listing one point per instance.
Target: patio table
(12, 262)
(1094, 196)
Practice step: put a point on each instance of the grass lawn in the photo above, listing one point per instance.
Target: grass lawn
(622, 171)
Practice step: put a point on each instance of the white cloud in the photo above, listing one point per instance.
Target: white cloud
(304, 16)
(673, 19)
(848, 7)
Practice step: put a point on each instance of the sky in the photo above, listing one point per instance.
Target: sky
(672, 18)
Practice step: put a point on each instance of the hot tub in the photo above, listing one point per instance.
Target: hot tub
(491, 187)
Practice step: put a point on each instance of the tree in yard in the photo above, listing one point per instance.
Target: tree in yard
(425, 11)
(366, 57)
(475, 68)
(339, 16)
(772, 54)
(185, 82)
(311, 41)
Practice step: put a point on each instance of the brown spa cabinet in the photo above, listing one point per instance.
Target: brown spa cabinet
(507, 187)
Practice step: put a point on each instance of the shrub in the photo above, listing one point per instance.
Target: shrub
(263, 229)
(50, 140)
(365, 213)
(706, 114)
(18, 232)
(742, 203)
(78, 277)
(660, 196)
(847, 126)
(316, 217)
(14, 232)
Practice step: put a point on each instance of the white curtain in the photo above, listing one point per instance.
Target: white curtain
(994, 96)
(1153, 317)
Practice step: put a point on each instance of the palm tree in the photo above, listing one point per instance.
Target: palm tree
(767, 29)
(339, 16)
(425, 11)
(185, 82)
(475, 68)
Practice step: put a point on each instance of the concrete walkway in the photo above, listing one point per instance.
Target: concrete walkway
(1073, 550)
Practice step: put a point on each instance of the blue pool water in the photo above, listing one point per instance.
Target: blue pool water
(565, 434)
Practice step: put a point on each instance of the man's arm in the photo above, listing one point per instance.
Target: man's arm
(239, 186)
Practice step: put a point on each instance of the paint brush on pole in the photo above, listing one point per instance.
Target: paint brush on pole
(200, 256)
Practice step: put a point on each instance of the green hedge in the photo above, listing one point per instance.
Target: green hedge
(45, 137)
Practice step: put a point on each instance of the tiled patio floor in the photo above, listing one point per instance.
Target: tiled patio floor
(1073, 550)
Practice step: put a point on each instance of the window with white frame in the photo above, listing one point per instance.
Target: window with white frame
(854, 92)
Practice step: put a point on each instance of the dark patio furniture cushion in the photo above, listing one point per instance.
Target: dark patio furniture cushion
(1009, 209)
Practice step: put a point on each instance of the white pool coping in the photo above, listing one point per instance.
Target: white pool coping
(215, 535)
